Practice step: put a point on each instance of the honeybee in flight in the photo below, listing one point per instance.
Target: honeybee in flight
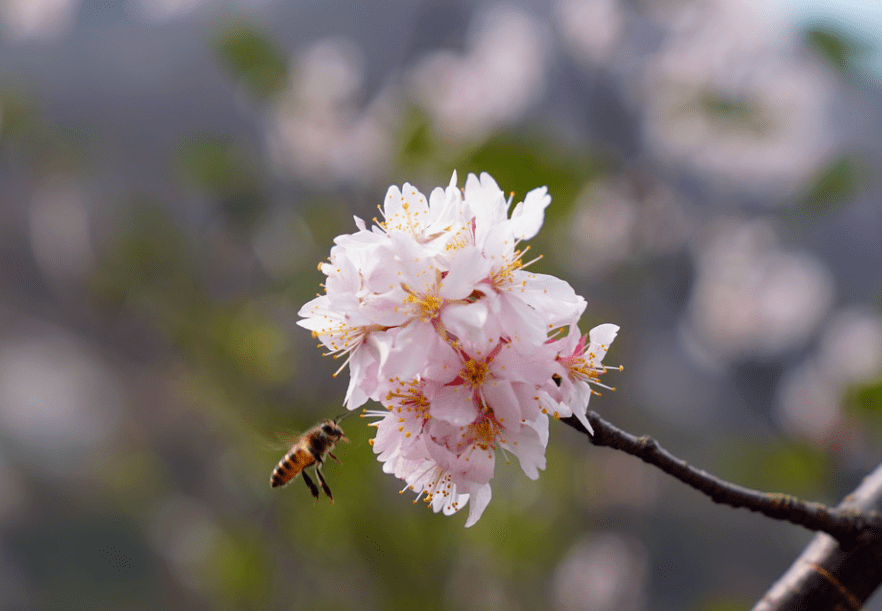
(310, 449)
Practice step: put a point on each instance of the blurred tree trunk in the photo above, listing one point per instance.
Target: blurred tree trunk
(828, 577)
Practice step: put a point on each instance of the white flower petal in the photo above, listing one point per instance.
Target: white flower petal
(502, 399)
(583, 418)
(454, 404)
(527, 445)
(467, 320)
(528, 216)
(603, 335)
(479, 500)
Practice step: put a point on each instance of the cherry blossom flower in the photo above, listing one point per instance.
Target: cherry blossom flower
(438, 320)
(581, 359)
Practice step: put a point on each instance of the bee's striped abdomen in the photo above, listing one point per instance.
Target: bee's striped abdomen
(287, 469)
(281, 474)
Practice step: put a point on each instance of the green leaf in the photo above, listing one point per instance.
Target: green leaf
(150, 255)
(787, 467)
(724, 604)
(239, 570)
(520, 164)
(839, 49)
(225, 171)
(18, 115)
(841, 179)
(216, 165)
(864, 401)
(734, 111)
(868, 398)
(250, 55)
(415, 136)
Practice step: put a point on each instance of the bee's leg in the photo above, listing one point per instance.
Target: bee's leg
(318, 471)
(334, 457)
(310, 484)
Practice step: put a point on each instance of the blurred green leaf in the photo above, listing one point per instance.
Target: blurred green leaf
(737, 112)
(236, 339)
(724, 604)
(223, 170)
(841, 179)
(134, 478)
(326, 219)
(150, 254)
(217, 165)
(786, 467)
(868, 398)
(18, 115)
(250, 55)
(518, 162)
(47, 148)
(521, 163)
(838, 48)
(415, 137)
(240, 571)
(151, 268)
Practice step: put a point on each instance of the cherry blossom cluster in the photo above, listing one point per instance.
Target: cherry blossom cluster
(439, 321)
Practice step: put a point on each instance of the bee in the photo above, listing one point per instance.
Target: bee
(310, 449)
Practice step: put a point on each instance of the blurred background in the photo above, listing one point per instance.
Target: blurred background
(171, 172)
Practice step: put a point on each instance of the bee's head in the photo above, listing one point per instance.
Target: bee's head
(333, 430)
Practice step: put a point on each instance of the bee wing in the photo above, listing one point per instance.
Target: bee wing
(278, 441)
(285, 439)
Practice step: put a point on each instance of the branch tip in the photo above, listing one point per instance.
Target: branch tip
(845, 525)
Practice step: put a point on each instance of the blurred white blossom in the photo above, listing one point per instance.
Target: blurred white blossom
(60, 229)
(499, 77)
(605, 572)
(602, 228)
(185, 532)
(317, 132)
(809, 396)
(617, 218)
(851, 347)
(735, 95)
(37, 19)
(162, 10)
(167, 10)
(591, 29)
(57, 397)
(752, 298)
(807, 404)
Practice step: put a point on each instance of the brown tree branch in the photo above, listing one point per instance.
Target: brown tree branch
(847, 524)
(828, 576)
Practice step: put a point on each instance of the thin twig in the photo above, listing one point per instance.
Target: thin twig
(844, 524)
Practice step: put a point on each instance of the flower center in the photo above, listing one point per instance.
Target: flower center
(580, 368)
(485, 431)
(407, 221)
(409, 398)
(474, 372)
(428, 303)
(503, 277)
